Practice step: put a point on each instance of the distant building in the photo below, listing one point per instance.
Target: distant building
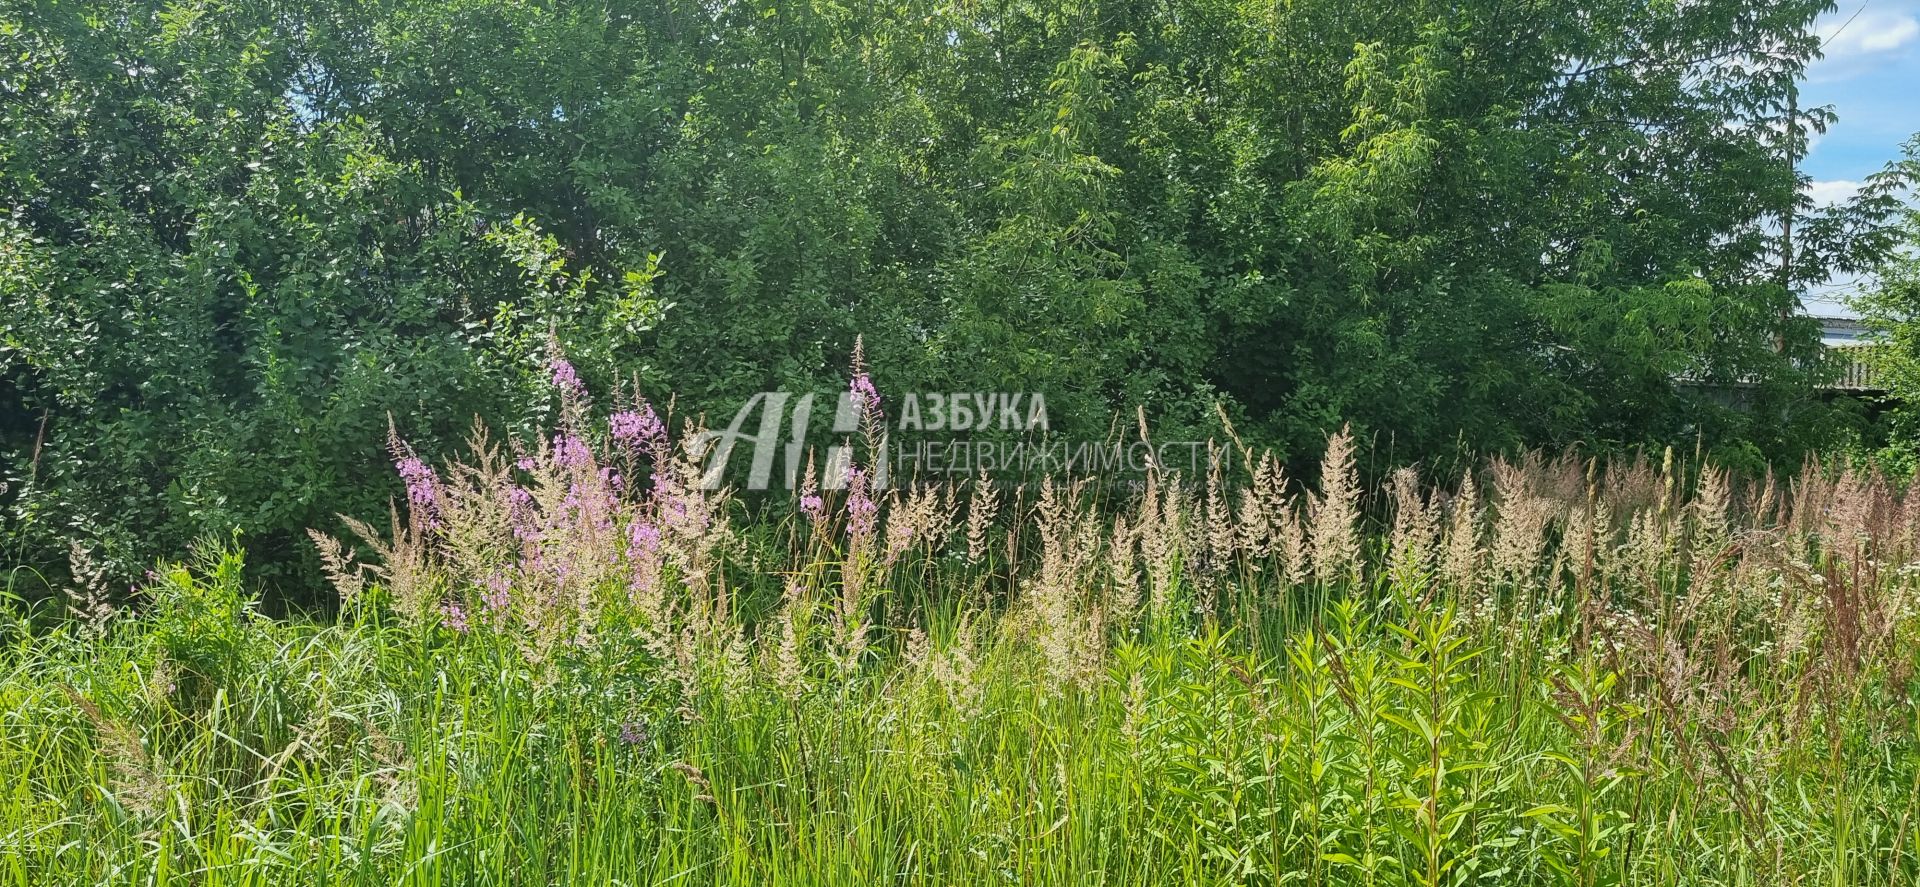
(1850, 339)
(1846, 338)
(1842, 331)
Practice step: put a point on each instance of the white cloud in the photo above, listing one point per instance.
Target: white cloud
(1847, 36)
(1900, 34)
(1831, 192)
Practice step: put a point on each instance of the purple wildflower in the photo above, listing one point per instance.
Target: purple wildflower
(455, 615)
(861, 389)
(860, 507)
(638, 428)
(520, 514)
(811, 505)
(643, 554)
(864, 394)
(422, 485)
(565, 377)
(643, 540)
(634, 733)
(678, 508)
(569, 451)
(496, 598)
(591, 502)
(560, 568)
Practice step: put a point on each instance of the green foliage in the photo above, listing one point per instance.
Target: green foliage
(1891, 307)
(213, 296)
(238, 234)
(205, 626)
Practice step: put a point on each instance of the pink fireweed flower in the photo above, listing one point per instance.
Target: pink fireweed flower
(559, 567)
(643, 540)
(681, 510)
(591, 503)
(497, 596)
(520, 514)
(454, 615)
(644, 559)
(811, 504)
(423, 487)
(640, 428)
(569, 451)
(565, 377)
(861, 508)
(865, 395)
(861, 389)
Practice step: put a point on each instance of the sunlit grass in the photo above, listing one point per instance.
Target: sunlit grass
(1647, 680)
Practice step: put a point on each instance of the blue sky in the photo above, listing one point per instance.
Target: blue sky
(1871, 77)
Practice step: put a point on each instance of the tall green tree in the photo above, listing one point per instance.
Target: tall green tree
(1890, 303)
(241, 232)
(213, 295)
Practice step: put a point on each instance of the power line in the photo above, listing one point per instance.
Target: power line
(1846, 24)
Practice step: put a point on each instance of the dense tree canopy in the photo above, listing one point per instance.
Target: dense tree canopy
(240, 233)
(1890, 304)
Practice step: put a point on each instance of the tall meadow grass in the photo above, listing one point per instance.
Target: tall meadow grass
(572, 663)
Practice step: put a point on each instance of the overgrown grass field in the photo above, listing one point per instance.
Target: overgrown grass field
(1545, 672)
